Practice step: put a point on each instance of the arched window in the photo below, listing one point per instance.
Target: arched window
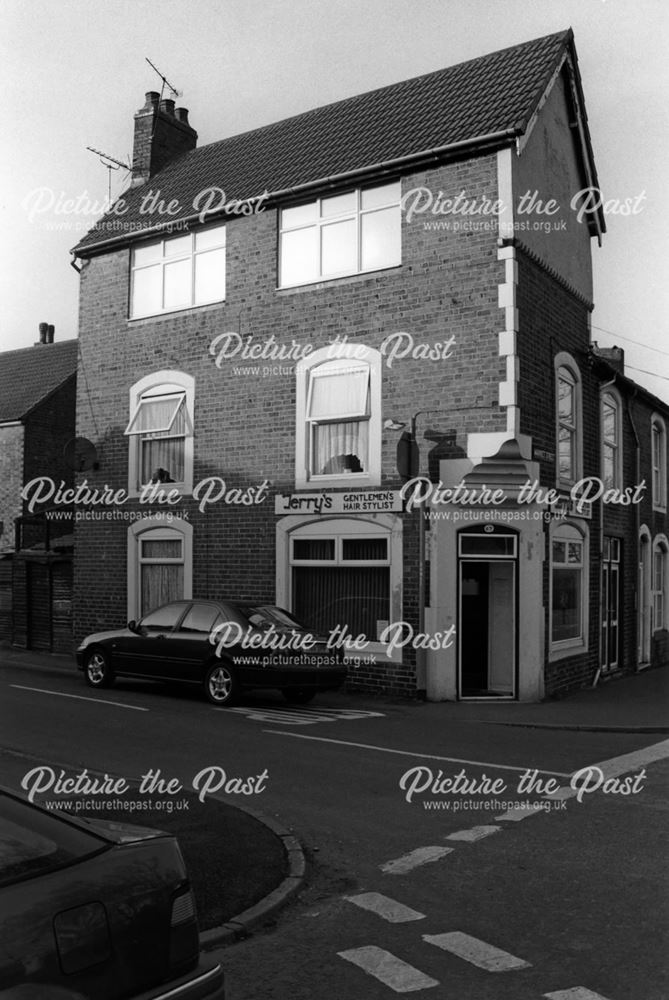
(160, 431)
(612, 460)
(659, 461)
(160, 563)
(338, 435)
(568, 588)
(569, 422)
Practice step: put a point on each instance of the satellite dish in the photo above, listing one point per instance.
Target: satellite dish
(80, 454)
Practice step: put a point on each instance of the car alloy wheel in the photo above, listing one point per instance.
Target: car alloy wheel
(220, 684)
(98, 672)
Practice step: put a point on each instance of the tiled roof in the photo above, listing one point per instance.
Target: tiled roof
(496, 93)
(27, 376)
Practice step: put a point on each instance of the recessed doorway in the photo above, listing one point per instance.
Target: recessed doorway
(487, 570)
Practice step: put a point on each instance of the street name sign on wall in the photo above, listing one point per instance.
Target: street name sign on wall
(371, 502)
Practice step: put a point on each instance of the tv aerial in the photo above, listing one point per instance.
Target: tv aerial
(111, 163)
(165, 81)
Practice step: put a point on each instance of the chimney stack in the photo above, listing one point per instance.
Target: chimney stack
(615, 356)
(161, 135)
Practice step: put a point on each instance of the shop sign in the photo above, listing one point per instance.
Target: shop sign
(361, 502)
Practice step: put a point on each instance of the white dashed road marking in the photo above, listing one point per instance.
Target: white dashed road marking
(392, 971)
(484, 956)
(520, 812)
(476, 833)
(81, 697)
(388, 909)
(575, 993)
(421, 856)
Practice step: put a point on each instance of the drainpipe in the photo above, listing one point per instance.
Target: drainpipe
(637, 519)
(598, 673)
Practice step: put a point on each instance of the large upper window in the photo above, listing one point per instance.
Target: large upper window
(341, 234)
(178, 272)
(611, 441)
(569, 590)
(659, 460)
(339, 419)
(160, 430)
(568, 421)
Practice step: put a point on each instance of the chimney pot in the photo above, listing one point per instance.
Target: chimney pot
(43, 327)
(182, 115)
(167, 107)
(50, 333)
(152, 99)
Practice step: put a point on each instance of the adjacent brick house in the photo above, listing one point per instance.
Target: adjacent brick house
(37, 420)
(261, 317)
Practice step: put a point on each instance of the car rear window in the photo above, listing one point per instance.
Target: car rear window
(33, 842)
(263, 617)
(200, 618)
(165, 617)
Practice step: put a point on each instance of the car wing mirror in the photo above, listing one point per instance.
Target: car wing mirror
(132, 625)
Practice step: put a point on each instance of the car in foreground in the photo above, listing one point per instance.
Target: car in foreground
(220, 646)
(91, 910)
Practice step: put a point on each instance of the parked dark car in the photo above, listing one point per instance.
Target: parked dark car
(95, 910)
(184, 642)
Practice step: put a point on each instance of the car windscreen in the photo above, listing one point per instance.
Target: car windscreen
(33, 842)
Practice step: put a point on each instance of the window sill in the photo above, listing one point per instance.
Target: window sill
(376, 650)
(143, 320)
(353, 482)
(182, 489)
(562, 652)
(339, 279)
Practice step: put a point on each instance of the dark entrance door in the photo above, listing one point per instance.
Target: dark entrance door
(487, 617)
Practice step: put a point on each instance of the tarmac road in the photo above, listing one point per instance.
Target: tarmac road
(567, 900)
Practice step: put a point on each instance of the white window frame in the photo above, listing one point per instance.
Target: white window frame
(569, 531)
(566, 366)
(186, 383)
(378, 525)
(157, 528)
(303, 477)
(162, 260)
(320, 222)
(611, 397)
(659, 595)
(658, 432)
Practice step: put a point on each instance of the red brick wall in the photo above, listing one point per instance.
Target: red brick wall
(552, 319)
(245, 424)
(48, 429)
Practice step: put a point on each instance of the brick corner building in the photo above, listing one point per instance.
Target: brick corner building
(366, 376)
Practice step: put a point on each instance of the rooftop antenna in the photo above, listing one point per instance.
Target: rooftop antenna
(166, 82)
(111, 163)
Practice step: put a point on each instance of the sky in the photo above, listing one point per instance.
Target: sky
(74, 73)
